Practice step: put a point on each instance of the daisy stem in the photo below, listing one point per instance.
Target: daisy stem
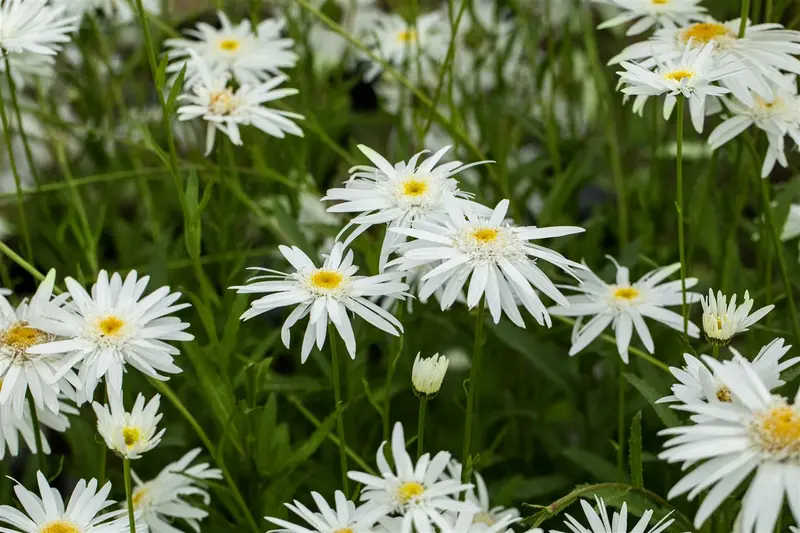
(477, 352)
(12, 161)
(387, 402)
(715, 351)
(681, 247)
(423, 405)
(12, 88)
(37, 435)
(744, 16)
(126, 468)
(337, 395)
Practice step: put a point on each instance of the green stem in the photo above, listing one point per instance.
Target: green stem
(621, 384)
(12, 88)
(337, 395)
(744, 15)
(681, 247)
(423, 404)
(37, 435)
(477, 353)
(12, 161)
(715, 351)
(387, 401)
(14, 256)
(776, 241)
(77, 202)
(126, 467)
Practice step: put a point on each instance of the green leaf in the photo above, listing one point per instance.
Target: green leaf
(175, 90)
(301, 454)
(635, 451)
(161, 73)
(662, 410)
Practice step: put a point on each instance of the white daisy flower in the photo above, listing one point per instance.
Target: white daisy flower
(399, 195)
(325, 295)
(421, 493)
(624, 305)
(162, 498)
(756, 432)
(764, 51)
(129, 435)
(428, 373)
(487, 514)
(85, 511)
(225, 108)
(697, 384)
(791, 229)
(723, 320)
(498, 256)
(344, 517)
(599, 523)
(398, 42)
(650, 13)
(777, 117)
(34, 26)
(470, 522)
(691, 76)
(12, 426)
(112, 327)
(250, 57)
(21, 371)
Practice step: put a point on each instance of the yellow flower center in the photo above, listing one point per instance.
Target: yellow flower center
(414, 187)
(326, 279)
(343, 530)
(778, 430)
(20, 336)
(485, 234)
(59, 526)
(724, 394)
(110, 326)
(222, 102)
(407, 36)
(483, 518)
(229, 45)
(704, 32)
(679, 75)
(138, 496)
(626, 293)
(409, 490)
(131, 435)
(660, 2)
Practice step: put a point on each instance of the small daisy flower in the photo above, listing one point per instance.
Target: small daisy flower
(129, 435)
(420, 494)
(85, 511)
(777, 117)
(345, 517)
(12, 426)
(325, 295)
(692, 76)
(225, 108)
(21, 371)
(624, 306)
(697, 384)
(599, 522)
(250, 57)
(427, 374)
(487, 514)
(723, 320)
(756, 432)
(499, 258)
(398, 195)
(34, 26)
(471, 522)
(163, 497)
(111, 328)
(650, 13)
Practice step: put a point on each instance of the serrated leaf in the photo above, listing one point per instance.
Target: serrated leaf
(635, 451)
(663, 411)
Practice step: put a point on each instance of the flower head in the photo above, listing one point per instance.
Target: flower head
(324, 294)
(46, 513)
(599, 522)
(131, 434)
(345, 517)
(624, 305)
(498, 256)
(163, 497)
(723, 320)
(34, 26)
(428, 374)
(111, 328)
(649, 13)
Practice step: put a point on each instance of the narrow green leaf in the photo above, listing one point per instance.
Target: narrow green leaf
(635, 451)
(175, 90)
(301, 454)
(666, 414)
(161, 73)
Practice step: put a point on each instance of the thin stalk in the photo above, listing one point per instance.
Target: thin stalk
(126, 467)
(337, 395)
(14, 256)
(77, 202)
(12, 88)
(744, 15)
(477, 353)
(715, 351)
(12, 161)
(37, 435)
(621, 384)
(681, 247)
(768, 11)
(423, 405)
(387, 402)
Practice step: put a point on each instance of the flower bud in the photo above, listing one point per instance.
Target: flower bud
(428, 374)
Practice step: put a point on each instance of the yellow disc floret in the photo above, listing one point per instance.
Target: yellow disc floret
(409, 490)
(414, 187)
(704, 32)
(59, 526)
(679, 75)
(777, 430)
(229, 45)
(131, 435)
(20, 336)
(485, 234)
(326, 279)
(110, 326)
(626, 293)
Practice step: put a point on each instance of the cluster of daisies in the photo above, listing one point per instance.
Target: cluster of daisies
(746, 72)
